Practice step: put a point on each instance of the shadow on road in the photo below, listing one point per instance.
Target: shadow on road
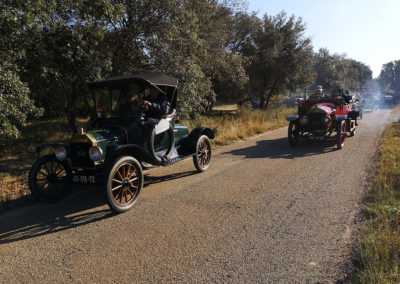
(280, 149)
(76, 210)
(43, 219)
(149, 180)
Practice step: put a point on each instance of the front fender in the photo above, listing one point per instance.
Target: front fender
(47, 149)
(292, 117)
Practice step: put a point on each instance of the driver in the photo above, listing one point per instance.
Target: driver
(317, 94)
(156, 103)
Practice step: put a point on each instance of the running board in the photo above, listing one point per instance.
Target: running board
(175, 160)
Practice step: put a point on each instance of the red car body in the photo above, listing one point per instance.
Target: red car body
(318, 119)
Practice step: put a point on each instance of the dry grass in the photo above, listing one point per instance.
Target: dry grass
(378, 260)
(17, 155)
(226, 107)
(241, 124)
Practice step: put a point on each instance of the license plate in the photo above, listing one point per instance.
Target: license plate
(83, 179)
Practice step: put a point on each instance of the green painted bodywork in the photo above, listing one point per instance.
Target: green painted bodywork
(121, 131)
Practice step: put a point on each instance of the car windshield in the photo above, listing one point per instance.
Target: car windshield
(122, 101)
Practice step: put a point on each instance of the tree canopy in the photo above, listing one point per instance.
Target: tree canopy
(51, 49)
(338, 71)
(389, 78)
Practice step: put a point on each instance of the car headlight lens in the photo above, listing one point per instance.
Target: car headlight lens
(326, 119)
(304, 120)
(95, 153)
(60, 152)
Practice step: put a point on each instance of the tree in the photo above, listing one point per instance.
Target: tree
(389, 77)
(15, 104)
(63, 55)
(280, 56)
(338, 71)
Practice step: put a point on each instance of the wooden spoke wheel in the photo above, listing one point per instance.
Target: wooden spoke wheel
(125, 181)
(341, 134)
(202, 157)
(49, 179)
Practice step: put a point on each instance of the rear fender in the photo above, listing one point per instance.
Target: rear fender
(292, 117)
(188, 145)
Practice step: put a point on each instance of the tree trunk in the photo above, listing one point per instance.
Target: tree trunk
(70, 110)
(270, 93)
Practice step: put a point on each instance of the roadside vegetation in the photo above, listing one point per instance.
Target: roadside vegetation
(18, 154)
(378, 260)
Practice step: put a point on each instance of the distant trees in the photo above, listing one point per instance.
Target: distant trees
(51, 49)
(338, 71)
(280, 57)
(389, 77)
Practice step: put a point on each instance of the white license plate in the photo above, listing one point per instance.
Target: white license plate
(83, 179)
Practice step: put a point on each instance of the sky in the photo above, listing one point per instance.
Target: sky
(367, 31)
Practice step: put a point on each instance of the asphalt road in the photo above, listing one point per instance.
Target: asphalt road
(263, 212)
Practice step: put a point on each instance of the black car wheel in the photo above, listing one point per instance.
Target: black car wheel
(341, 134)
(124, 183)
(293, 133)
(49, 179)
(202, 157)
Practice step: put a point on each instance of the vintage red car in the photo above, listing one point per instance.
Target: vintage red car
(319, 118)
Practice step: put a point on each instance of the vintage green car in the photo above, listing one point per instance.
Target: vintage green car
(122, 143)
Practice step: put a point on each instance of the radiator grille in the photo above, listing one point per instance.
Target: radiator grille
(79, 153)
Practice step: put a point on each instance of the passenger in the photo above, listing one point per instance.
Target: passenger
(317, 94)
(156, 103)
(337, 93)
(347, 97)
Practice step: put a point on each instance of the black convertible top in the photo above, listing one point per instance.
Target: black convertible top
(153, 78)
(166, 84)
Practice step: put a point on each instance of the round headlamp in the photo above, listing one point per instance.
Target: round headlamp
(60, 152)
(304, 120)
(326, 119)
(95, 153)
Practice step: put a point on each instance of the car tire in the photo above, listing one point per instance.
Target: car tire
(49, 179)
(341, 134)
(293, 133)
(124, 183)
(202, 156)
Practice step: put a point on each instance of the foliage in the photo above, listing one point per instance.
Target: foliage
(215, 48)
(389, 77)
(279, 54)
(379, 255)
(338, 71)
(15, 104)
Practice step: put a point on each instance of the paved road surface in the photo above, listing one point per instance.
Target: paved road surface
(263, 212)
